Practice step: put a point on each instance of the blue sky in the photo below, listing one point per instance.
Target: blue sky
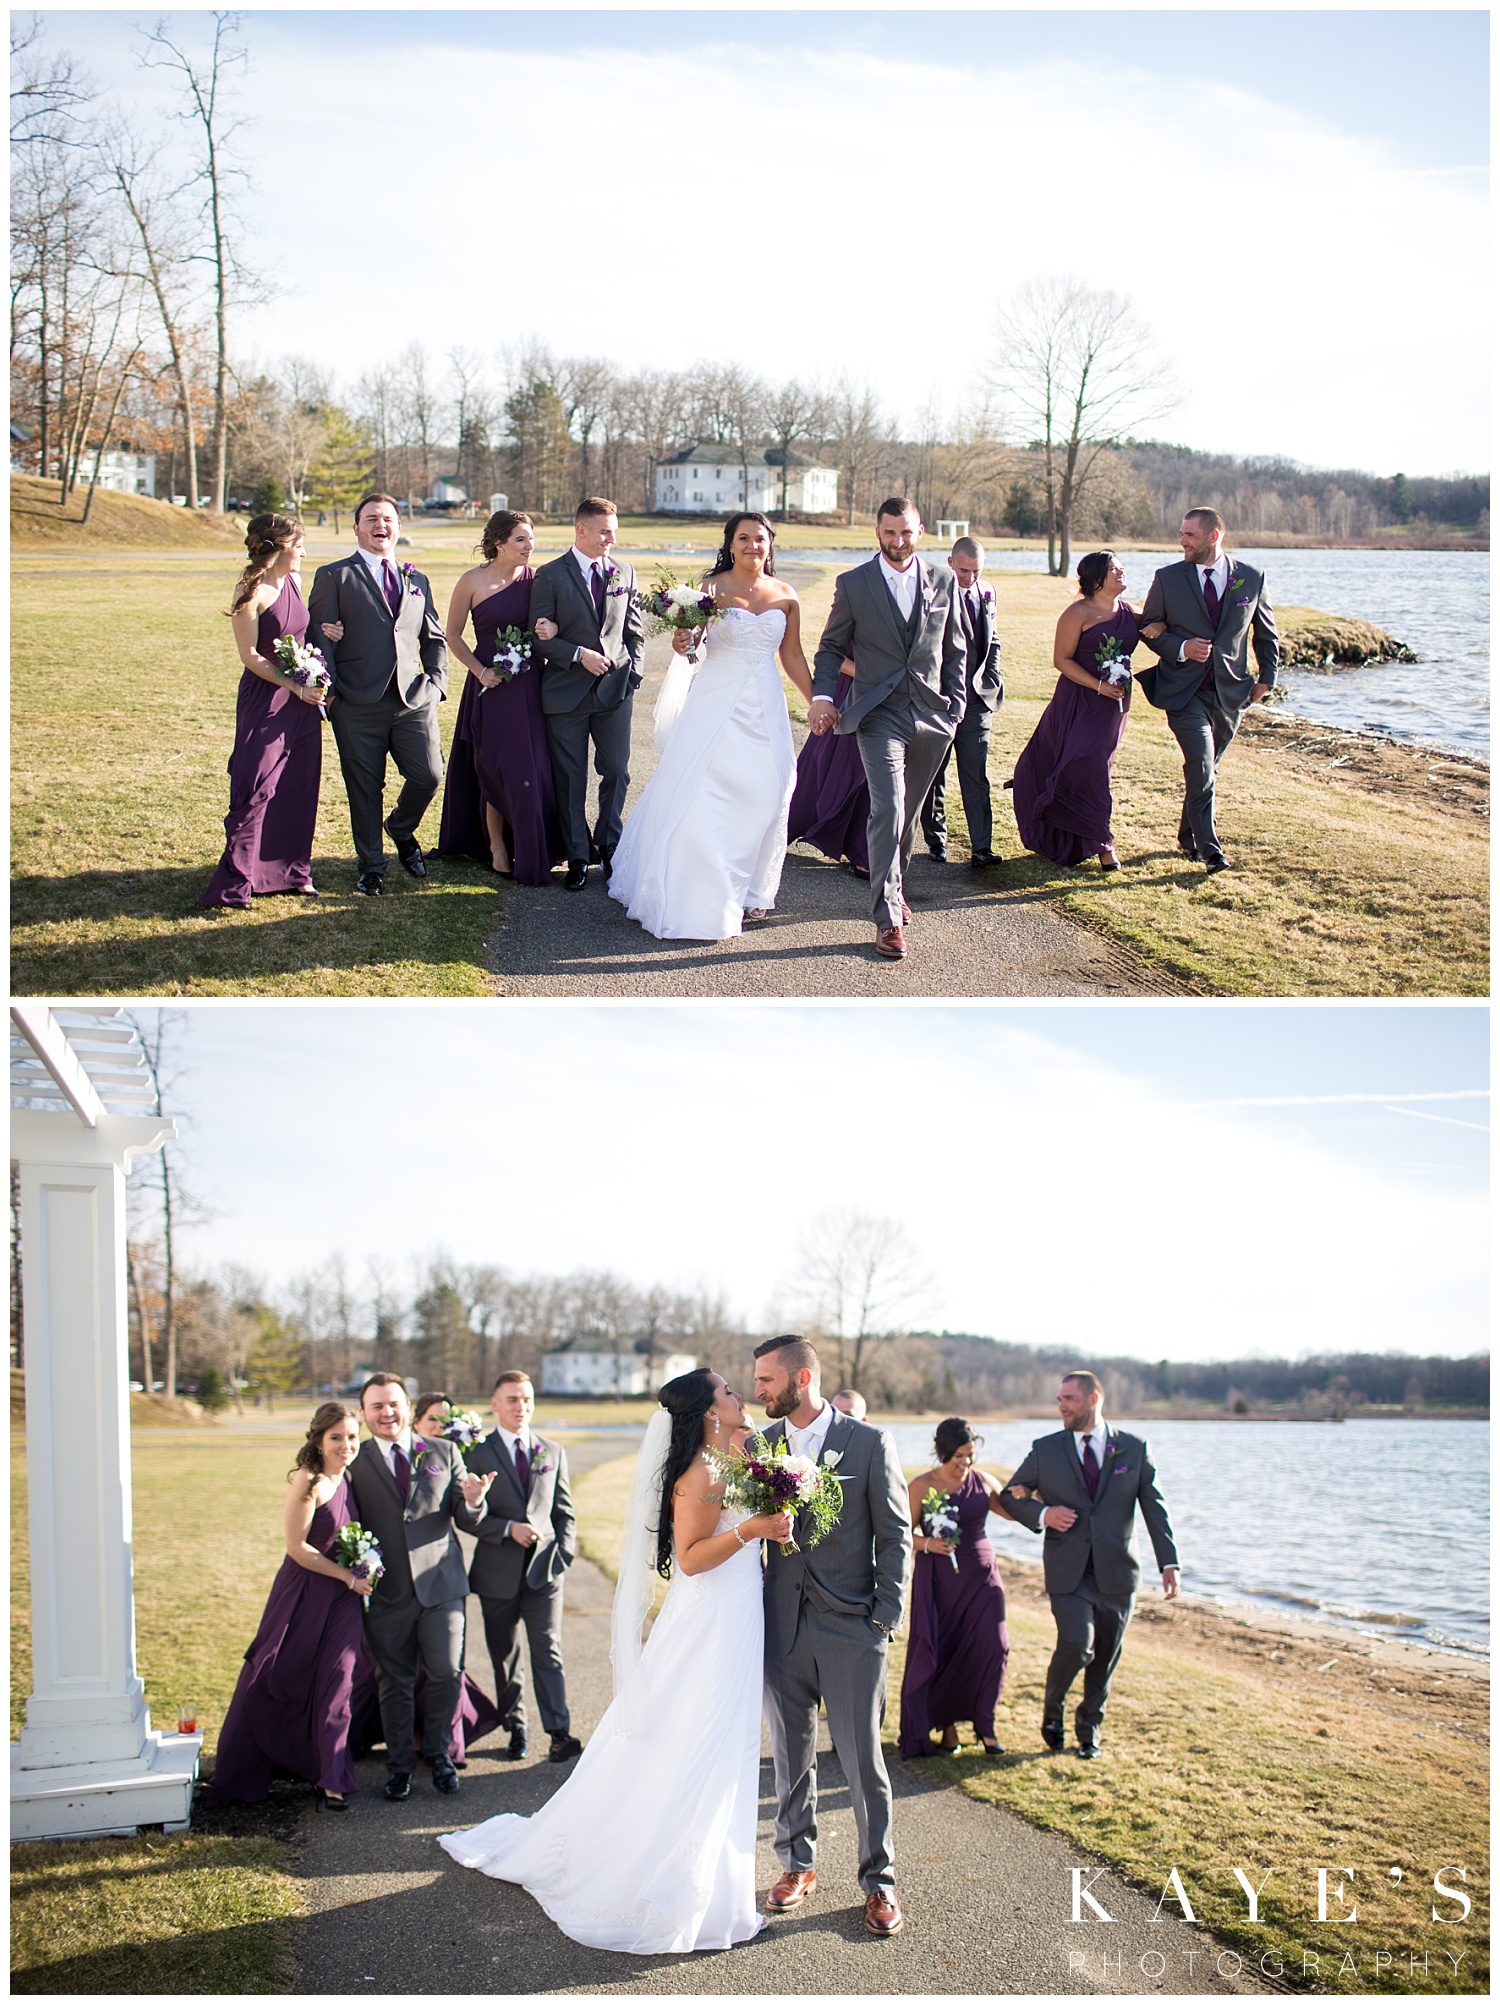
(1292, 199)
(1060, 1168)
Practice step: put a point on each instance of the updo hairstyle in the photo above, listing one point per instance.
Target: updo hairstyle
(951, 1436)
(1093, 570)
(501, 526)
(265, 539)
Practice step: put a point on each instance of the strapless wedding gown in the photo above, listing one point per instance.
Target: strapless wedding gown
(707, 839)
(649, 1846)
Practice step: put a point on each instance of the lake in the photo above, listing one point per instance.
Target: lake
(1381, 1526)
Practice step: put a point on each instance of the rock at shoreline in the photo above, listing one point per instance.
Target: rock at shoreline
(1322, 643)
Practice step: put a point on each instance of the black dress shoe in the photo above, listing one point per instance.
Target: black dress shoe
(858, 870)
(938, 851)
(518, 1745)
(1088, 1750)
(412, 860)
(607, 863)
(398, 1787)
(371, 883)
(577, 875)
(1214, 864)
(1053, 1735)
(983, 858)
(564, 1747)
(1187, 842)
(445, 1778)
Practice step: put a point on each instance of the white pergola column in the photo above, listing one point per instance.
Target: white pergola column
(88, 1762)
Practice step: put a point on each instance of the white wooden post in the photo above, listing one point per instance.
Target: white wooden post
(88, 1763)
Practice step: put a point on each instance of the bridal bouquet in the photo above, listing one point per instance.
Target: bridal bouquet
(359, 1550)
(940, 1520)
(302, 665)
(672, 608)
(512, 652)
(770, 1478)
(463, 1427)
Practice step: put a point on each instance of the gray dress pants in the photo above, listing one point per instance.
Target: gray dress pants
(840, 1659)
(400, 1638)
(1090, 1636)
(971, 754)
(568, 736)
(902, 745)
(365, 734)
(1204, 730)
(539, 1610)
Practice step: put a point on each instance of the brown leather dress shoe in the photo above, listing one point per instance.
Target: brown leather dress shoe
(789, 1890)
(891, 941)
(882, 1916)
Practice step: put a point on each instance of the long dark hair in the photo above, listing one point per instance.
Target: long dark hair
(310, 1454)
(725, 559)
(687, 1399)
(265, 539)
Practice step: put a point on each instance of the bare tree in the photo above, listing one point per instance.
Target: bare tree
(420, 407)
(586, 385)
(162, 1042)
(854, 435)
(861, 1278)
(206, 82)
(658, 408)
(48, 93)
(794, 411)
(1081, 371)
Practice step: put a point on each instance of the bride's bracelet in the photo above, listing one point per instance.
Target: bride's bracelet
(737, 1539)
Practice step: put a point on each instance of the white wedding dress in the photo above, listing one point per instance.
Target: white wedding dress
(707, 840)
(649, 1846)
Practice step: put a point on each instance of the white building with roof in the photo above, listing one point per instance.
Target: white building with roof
(605, 1374)
(126, 473)
(710, 479)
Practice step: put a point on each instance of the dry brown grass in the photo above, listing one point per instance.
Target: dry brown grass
(39, 520)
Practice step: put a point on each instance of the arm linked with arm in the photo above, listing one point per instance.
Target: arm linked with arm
(1166, 646)
(1026, 1511)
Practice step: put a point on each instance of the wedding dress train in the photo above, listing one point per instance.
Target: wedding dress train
(707, 840)
(649, 1846)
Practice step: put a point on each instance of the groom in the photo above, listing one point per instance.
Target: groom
(895, 623)
(830, 1614)
(590, 672)
(1088, 1480)
(390, 673)
(1214, 609)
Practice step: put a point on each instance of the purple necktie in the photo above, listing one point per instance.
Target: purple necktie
(1211, 599)
(523, 1467)
(1090, 1468)
(392, 588)
(598, 591)
(403, 1472)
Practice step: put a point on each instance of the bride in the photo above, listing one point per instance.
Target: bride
(704, 848)
(649, 1846)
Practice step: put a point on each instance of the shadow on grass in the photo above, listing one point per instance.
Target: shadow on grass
(127, 930)
(258, 1958)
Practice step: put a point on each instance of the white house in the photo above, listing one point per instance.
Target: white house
(127, 473)
(708, 479)
(603, 1374)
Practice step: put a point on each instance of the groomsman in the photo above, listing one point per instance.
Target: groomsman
(986, 692)
(1215, 608)
(410, 1493)
(1089, 1480)
(390, 673)
(526, 1545)
(590, 672)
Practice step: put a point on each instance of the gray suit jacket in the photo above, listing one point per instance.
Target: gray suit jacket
(1104, 1523)
(1245, 617)
(860, 1569)
(422, 1556)
(864, 633)
(983, 681)
(500, 1567)
(412, 644)
(559, 593)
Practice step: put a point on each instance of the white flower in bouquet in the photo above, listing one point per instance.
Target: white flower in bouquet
(463, 1426)
(301, 664)
(940, 1520)
(359, 1550)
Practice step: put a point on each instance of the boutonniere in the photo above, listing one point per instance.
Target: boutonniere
(540, 1466)
(987, 594)
(832, 1461)
(613, 589)
(409, 579)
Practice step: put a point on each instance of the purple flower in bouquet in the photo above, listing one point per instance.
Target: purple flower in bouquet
(462, 1427)
(359, 1550)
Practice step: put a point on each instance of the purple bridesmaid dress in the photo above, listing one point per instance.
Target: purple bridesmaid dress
(1061, 785)
(290, 1710)
(275, 771)
(955, 1658)
(500, 756)
(831, 805)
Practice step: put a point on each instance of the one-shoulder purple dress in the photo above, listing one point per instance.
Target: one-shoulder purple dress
(831, 802)
(500, 756)
(290, 1710)
(956, 1655)
(275, 771)
(1061, 785)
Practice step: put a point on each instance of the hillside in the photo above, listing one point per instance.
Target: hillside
(116, 522)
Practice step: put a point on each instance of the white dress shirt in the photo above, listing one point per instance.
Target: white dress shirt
(1099, 1435)
(404, 1442)
(513, 1442)
(903, 584)
(376, 563)
(809, 1440)
(1219, 572)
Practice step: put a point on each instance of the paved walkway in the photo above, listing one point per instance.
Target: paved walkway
(987, 1898)
(971, 935)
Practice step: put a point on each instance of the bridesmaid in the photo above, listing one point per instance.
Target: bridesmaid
(956, 1656)
(498, 803)
(290, 1709)
(1061, 784)
(277, 763)
(831, 804)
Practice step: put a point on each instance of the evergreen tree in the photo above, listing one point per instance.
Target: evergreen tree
(345, 466)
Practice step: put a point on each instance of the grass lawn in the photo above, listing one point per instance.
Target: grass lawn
(1231, 1745)
(118, 794)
